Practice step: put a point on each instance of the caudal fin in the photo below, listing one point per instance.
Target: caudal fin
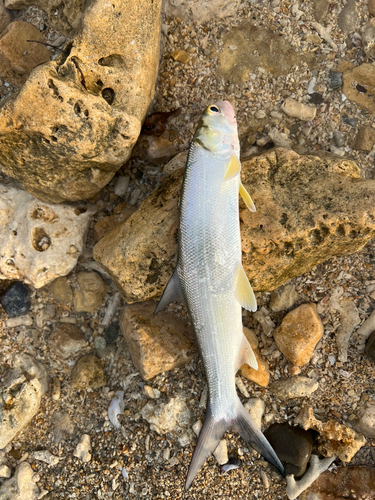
(213, 430)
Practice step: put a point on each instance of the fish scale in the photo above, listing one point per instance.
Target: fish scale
(210, 280)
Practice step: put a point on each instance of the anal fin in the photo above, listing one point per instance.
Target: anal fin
(172, 292)
(233, 169)
(243, 291)
(247, 198)
(247, 355)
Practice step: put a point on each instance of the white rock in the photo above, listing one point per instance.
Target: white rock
(121, 186)
(173, 417)
(5, 471)
(18, 321)
(265, 322)
(197, 427)
(366, 422)
(46, 456)
(221, 452)
(367, 327)
(255, 407)
(21, 486)
(279, 139)
(349, 317)
(22, 392)
(39, 241)
(296, 387)
(298, 110)
(202, 11)
(116, 407)
(283, 298)
(83, 448)
(317, 467)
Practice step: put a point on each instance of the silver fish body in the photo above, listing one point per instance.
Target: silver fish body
(210, 280)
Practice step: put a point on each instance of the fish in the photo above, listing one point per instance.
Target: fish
(210, 280)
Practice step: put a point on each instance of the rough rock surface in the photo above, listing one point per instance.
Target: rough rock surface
(202, 11)
(283, 298)
(4, 17)
(18, 57)
(334, 438)
(343, 482)
(88, 372)
(295, 387)
(94, 101)
(22, 391)
(298, 334)
(67, 339)
(365, 139)
(366, 421)
(39, 241)
(363, 75)
(90, 291)
(64, 17)
(21, 486)
(156, 343)
(308, 209)
(173, 416)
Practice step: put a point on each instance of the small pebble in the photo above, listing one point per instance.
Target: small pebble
(16, 300)
(19, 321)
(83, 448)
(46, 456)
(221, 452)
(335, 80)
(180, 56)
(122, 185)
(5, 471)
(56, 389)
(298, 110)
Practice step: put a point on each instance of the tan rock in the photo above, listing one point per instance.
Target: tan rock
(249, 47)
(308, 209)
(67, 339)
(72, 145)
(156, 343)
(365, 139)
(19, 57)
(4, 17)
(64, 17)
(61, 290)
(88, 372)
(22, 485)
(298, 334)
(202, 11)
(298, 110)
(106, 224)
(368, 38)
(180, 56)
(261, 376)
(363, 75)
(334, 438)
(295, 387)
(371, 7)
(283, 298)
(90, 292)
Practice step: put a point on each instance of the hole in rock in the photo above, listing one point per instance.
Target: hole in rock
(80, 210)
(86, 112)
(40, 239)
(43, 213)
(77, 108)
(99, 83)
(54, 139)
(108, 95)
(111, 61)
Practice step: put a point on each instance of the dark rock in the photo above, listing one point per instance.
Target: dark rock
(335, 80)
(316, 98)
(16, 300)
(112, 332)
(292, 445)
(349, 121)
(370, 346)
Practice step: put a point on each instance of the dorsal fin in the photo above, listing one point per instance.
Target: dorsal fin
(233, 169)
(243, 291)
(172, 292)
(247, 198)
(246, 355)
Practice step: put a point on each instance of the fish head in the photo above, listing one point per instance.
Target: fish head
(217, 129)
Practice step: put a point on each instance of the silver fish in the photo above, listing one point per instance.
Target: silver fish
(210, 280)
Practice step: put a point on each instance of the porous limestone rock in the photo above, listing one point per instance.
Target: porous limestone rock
(75, 121)
(39, 241)
(283, 298)
(4, 17)
(22, 486)
(295, 387)
(309, 208)
(88, 372)
(172, 417)
(62, 16)
(66, 340)
(366, 420)
(363, 75)
(90, 291)
(22, 391)
(18, 57)
(156, 343)
(298, 334)
(202, 11)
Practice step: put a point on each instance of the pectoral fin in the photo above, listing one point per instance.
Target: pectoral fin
(243, 291)
(247, 355)
(233, 169)
(247, 198)
(172, 292)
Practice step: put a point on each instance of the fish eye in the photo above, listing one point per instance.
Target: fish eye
(214, 109)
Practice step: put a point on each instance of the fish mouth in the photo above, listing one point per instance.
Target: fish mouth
(227, 110)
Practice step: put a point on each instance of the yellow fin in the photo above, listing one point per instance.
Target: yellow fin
(247, 355)
(243, 291)
(233, 169)
(247, 198)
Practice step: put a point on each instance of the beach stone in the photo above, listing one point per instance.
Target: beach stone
(61, 290)
(155, 149)
(88, 372)
(112, 332)
(21, 486)
(363, 75)
(298, 334)
(261, 376)
(121, 213)
(22, 389)
(255, 407)
(90, 292)
(371, 7)
(221, 452)
(94, 102)
(16, 300)
(349, 319)
(365, 139)
(283, 298)
(67, 340)
(298, 110)
(310, 209)
(295, 387)
(320, 9)
(343, 482)
(249, 47)
(156, 343)
(172, 417)
(202, 11)
(83, 448)
(370, 346)
(4, 17)
(334, 438)
(292, 445)
(366, 420)
(348, 18)
(368, 38)
(18, 57)
(39, 242)
(5, 471)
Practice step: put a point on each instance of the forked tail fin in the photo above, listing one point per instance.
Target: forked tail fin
(213, 430)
